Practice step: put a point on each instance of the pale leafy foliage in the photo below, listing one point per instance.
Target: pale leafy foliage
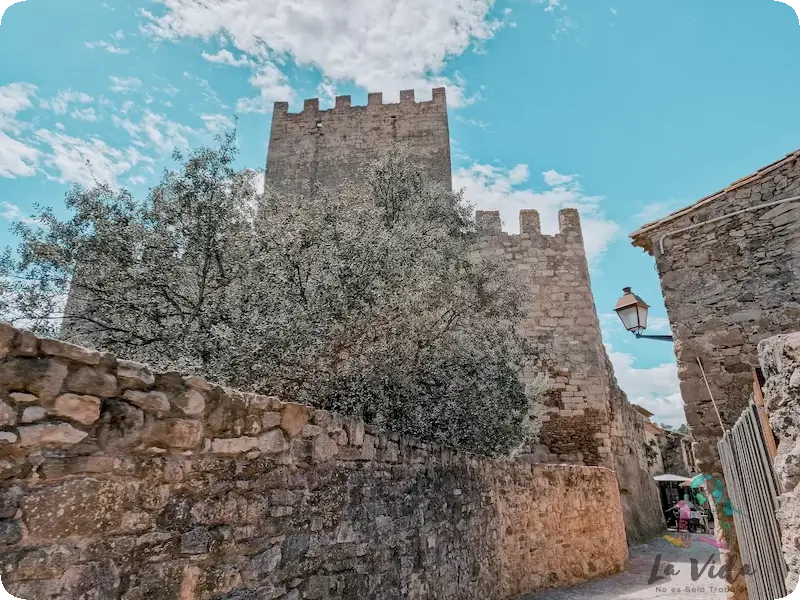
(367, 300)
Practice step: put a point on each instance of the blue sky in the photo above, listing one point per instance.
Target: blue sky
(627, 109)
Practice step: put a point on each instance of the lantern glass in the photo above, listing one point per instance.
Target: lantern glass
(630, 317)
(642, 313)
(632, 311)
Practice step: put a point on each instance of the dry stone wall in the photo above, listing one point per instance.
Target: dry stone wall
(330, 147)
(120, 483)
(780, 361)
(587, 417)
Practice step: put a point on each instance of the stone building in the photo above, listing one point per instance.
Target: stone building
(668, 451)
(587, 420)
(729, 266)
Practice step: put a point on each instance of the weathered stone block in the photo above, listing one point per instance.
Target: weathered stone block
(33, 413)
(87, 380)
(42, 377)
(69, 351)
(8, 416)
(323, 448)
(174, 433)
(293, 418)
(83, 409)
(154, 401)
(191, 403)
(83, 507)
(134, 375)
(60, 435)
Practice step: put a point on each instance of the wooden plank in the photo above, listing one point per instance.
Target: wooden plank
(758, 396)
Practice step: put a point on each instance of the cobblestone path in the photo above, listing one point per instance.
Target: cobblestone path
(633, 584)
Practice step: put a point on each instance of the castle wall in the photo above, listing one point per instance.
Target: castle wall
(330, 147)
(587, 417)
(150, 485)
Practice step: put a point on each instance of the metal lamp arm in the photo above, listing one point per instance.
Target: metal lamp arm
(663, 338)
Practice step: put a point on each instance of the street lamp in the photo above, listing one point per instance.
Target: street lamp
(632, 311)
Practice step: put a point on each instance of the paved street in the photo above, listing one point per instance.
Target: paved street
(633, 583)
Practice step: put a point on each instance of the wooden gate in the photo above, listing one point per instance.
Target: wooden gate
(746, 452)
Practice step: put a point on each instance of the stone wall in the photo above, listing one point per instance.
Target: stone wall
(674, 452)
(728, 282)
(561, 320)
(587, 418)
(639, 495)
(780, 361)
(142, 485)
(330, 147)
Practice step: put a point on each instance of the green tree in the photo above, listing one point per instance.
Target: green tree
(368, 300)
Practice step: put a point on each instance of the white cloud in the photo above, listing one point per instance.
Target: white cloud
(554, 178)
(123, 85)
(658, 324)
(326, 91)
(12, 212)
(562, 21)
(118, 35)
(383, 45)
(551, 5)
(473, 122)
(490, 187)
(85, 114)
(87, 161)
(61, 102)
(107, 46)
(156, 131)
(225, 57)
(656, 388)
(15, 98)
(17, 159)
(217, 123)
(272, 84)
(208, 92)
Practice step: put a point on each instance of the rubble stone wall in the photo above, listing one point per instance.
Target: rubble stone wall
(330, 147)
(120, 483)
(780, 361)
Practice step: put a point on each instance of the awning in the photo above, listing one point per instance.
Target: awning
(668, 477)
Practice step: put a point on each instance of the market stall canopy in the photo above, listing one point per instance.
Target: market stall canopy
(668, 477)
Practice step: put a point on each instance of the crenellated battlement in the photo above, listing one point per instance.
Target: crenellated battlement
(374, 102)
(330, 147)
(488, 223)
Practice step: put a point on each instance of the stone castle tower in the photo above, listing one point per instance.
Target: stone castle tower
(587, 417)
(330, 146)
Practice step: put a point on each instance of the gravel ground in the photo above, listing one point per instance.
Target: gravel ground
(634, 583)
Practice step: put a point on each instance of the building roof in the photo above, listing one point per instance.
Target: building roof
(642, 410)
(641, 237)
